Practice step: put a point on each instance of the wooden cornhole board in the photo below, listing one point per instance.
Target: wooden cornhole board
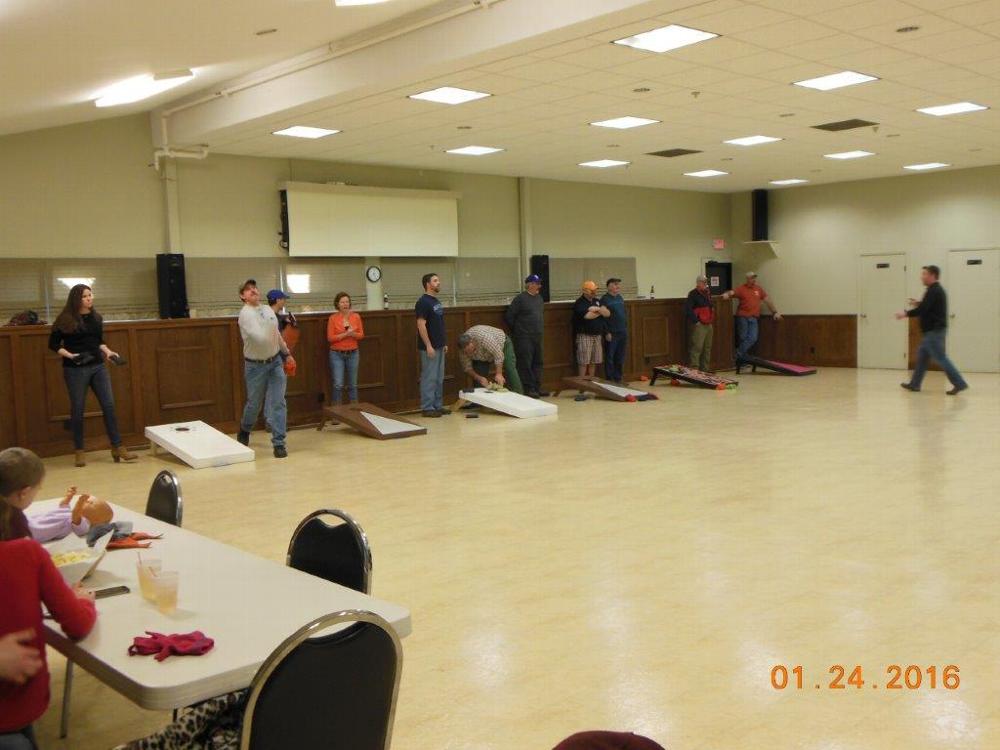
(197, 444)
(602, 388)
(371, 420)
(506, 402)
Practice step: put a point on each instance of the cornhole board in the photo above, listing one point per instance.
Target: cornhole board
(197, 444)
(680, 374)
(371, 420)
(784, 368)
(506, 402)
(603, 389)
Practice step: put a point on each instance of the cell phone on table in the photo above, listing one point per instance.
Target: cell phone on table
(112, 591)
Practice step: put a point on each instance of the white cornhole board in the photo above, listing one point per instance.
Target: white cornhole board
(620, 390)
(387, 426)
(509, 402)
(199, 445)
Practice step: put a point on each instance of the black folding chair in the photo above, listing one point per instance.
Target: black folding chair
(164, 502)
(334, 691)
(337, 551)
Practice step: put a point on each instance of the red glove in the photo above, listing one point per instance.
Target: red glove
(181, 644)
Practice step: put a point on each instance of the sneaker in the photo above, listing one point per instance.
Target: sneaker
(432, 414)
(909, 387)
(244, 437)
(957, 389)
(444, 412)
(280, 451)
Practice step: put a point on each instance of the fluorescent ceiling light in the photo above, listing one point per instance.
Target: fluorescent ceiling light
(666, 38)
(928, 165)
(71, 281)
(449, 95)
(141, 87)
(706, 173)
(304, 131)
(752, 140)
(849, 155)
(952, 109)
(794, 181)
(299, 283)
(624, 123)
(604, 163)
(474, 150)
(835, 81)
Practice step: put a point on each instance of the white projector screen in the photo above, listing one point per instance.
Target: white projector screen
(343, 220)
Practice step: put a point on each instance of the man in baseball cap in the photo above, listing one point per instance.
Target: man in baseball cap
(750, 295)
(525, 319)
(700, 313)
(590, 324)
(616, 337)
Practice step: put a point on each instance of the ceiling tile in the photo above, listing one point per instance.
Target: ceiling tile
(780, 35)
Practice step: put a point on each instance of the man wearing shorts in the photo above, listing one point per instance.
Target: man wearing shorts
(590, 324)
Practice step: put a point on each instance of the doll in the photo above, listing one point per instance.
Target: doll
(55, 524)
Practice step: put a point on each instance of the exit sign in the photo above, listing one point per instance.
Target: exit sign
(718, 244)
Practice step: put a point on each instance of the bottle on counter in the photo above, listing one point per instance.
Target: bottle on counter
(385, 301)
(652, 292)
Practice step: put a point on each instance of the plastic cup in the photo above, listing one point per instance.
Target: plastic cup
(147, 568)
(164, 588)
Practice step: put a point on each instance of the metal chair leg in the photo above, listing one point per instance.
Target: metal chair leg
(67, 690)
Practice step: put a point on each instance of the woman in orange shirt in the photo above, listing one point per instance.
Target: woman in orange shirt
(344, 330)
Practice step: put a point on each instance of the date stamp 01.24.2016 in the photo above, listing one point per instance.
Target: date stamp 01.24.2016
(840, 677)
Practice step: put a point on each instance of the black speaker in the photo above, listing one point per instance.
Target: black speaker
(758, 203)
(540, 266)
(283, 196)
(171, 286)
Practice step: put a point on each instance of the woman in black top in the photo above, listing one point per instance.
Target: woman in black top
(78, 337)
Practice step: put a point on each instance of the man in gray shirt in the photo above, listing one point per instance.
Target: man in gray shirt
(264, 353)
(525, 319)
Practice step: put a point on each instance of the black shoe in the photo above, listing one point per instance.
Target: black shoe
(432, 413)
(280, 451)
(909, 387)
(444, 412)
(533, 395)
(543, 394)
(957, 389)
(580, 397)
(244, 437)
(469, 407)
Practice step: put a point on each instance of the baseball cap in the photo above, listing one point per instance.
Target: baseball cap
(533, 279)
(751, 274)
(274, 295)
(589, 286)
(613, 280)
(246, 284)
(702, 278)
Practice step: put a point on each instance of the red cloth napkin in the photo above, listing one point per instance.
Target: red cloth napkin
(180, 644)
(133, 541)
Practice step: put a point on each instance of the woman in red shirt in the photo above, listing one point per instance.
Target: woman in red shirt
(344, 330)
(28, 577)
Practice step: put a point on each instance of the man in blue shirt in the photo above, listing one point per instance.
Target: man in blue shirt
(616, 338)
(432, 343)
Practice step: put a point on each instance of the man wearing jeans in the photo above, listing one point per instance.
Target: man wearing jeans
(616, 338)
(932, 311)
(750, 296)
(432, 345)
(264, 352)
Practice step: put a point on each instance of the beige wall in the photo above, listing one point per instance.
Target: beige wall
(81, 190)
(821, 231)
(669, 232)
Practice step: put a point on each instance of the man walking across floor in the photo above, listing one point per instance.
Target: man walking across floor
(932, 312)
(699, 310)
(432, 343)
(264, 353)
(616, 338)
(487, 354)
(525, 318)
(750, 296)
(590, 324)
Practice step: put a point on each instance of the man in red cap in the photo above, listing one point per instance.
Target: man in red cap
(750, 295)
(590, 324)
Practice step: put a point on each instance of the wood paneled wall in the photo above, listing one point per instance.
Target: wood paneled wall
(181, 370)
(816, 340)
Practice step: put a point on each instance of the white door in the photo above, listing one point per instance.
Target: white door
(973, 286)
(882, 340)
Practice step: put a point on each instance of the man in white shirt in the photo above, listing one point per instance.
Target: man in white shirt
(264, 353)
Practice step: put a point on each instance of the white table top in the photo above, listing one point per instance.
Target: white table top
(247, 604)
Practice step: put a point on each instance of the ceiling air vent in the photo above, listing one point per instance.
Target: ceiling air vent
(671, 152)
(845, 125)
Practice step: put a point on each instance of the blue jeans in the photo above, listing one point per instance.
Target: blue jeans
(746, 335)
(614, 357)
(269, 379)
(432, 381)
(342, 363)
(78, 380)
(932, 347)
(22, 740)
